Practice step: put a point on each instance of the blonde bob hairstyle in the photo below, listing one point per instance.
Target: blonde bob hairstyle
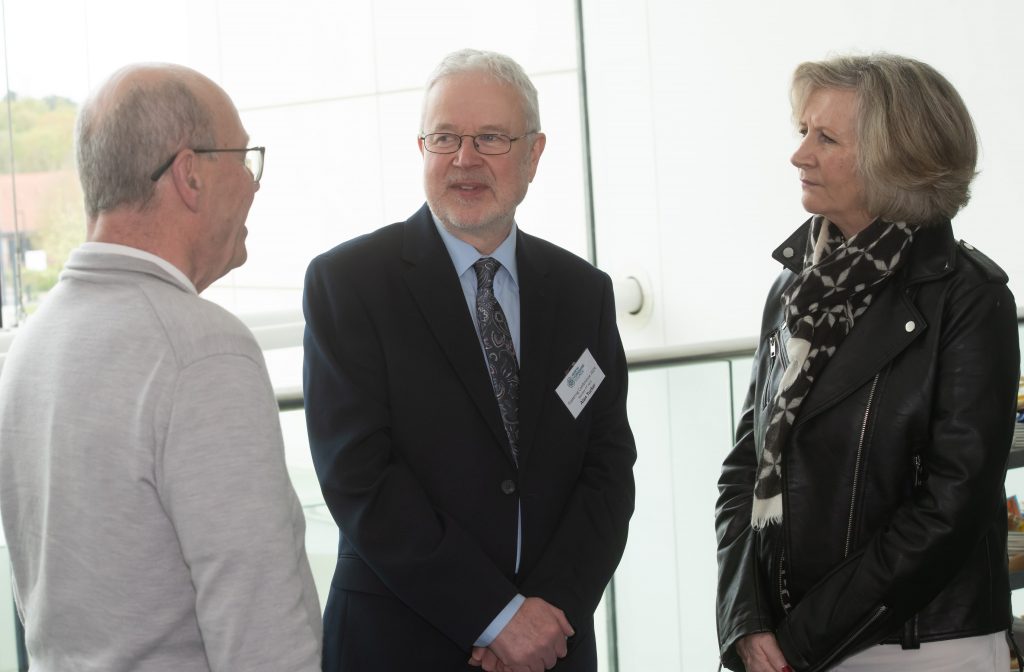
(917, 147)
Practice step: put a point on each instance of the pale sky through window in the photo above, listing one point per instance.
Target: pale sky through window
(49, 58)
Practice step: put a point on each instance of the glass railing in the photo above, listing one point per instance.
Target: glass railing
(659, 613)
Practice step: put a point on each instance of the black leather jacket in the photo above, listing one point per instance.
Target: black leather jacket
(894, 524)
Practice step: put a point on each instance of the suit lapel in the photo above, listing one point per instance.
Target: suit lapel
(434, 286)
(536, 330)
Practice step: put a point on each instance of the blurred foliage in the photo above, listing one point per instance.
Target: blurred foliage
(42, 131)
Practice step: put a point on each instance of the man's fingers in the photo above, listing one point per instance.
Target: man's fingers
(561, 648)
(563, 622)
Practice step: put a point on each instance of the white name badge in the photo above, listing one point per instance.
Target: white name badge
(578, 387)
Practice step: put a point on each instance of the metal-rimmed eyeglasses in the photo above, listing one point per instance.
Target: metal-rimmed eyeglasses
(253, 161)
(485, 143)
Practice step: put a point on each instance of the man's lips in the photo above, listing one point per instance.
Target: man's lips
(467, 187)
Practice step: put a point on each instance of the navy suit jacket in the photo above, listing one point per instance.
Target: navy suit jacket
(409, 447)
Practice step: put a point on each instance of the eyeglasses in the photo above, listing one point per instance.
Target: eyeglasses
(253, 161)
(485, 143)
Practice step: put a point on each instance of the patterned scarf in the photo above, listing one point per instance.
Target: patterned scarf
(835, 288)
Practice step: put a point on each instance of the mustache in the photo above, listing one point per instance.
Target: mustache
(457, 178)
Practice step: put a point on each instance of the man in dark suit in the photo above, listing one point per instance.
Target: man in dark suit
(465, 392)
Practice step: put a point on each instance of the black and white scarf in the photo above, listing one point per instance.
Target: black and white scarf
(838, 281)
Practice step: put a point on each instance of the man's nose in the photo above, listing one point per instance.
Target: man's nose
(467, 152)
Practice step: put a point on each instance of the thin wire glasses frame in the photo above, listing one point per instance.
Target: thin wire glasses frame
(491, 144)
(253, 161)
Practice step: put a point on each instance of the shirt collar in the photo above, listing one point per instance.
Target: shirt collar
(464, 255)
(114, 248)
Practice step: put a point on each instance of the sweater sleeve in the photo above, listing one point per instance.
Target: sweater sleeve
(224, 484)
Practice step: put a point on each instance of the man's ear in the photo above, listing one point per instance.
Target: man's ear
(187, 180)
(536, 149)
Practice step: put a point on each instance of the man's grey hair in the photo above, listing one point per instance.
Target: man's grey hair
(121, 139)
(499, 66)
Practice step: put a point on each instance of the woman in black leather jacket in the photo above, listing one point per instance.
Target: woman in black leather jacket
(863, 503)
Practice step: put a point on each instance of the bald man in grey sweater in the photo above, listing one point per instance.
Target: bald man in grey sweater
(151, 522)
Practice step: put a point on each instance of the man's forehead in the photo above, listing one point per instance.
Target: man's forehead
(473, 101)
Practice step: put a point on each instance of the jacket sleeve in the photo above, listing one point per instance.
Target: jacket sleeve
(742, 599)
(588, 543)
(929, 538)
(422, 555)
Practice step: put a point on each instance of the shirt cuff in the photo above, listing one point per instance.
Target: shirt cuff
(499, 623)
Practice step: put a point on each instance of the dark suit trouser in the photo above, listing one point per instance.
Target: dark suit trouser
(377, 633)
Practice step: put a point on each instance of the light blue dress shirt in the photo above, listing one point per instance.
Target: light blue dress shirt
(506, 280)
(506, 291)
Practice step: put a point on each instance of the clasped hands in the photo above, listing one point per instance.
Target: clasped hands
(533, 640)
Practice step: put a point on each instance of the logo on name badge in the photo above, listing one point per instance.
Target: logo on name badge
(578, 387)
(574, 376)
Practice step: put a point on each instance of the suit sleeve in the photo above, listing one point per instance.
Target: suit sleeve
(930, 537)
(421, 554)
(579, 561)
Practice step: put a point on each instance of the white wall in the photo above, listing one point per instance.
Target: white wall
(691, 137)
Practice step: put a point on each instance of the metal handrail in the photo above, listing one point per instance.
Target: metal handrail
(641, 359)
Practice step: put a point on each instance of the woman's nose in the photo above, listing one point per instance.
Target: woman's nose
(803, 156)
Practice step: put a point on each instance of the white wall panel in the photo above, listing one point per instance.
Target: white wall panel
(320, 187)
(623, 140)
(275, 53)
(411, 36)
(702, 87)
(554, 207)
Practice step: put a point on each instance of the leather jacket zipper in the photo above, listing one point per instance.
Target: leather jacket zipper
(776, 357)
(783, 590)
(772, 355)
(856, 469)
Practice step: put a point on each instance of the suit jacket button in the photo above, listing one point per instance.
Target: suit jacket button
(508, 486)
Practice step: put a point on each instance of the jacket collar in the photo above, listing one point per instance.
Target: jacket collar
(932, 254)
(891, 325)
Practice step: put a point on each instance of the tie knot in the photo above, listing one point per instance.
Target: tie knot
(485, 268)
